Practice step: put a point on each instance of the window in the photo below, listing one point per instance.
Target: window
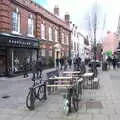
(42, 52)
(50, 53)
(56, 36)
(30, 26)
(67, 40)
(42, 31)
(15, 21)
(62, 37)
(50, 33)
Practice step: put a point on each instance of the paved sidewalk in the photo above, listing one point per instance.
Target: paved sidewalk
(100, 104)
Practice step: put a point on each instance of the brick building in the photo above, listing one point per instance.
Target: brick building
(28, 31)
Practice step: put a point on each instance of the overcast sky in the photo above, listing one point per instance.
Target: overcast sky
(78, 10)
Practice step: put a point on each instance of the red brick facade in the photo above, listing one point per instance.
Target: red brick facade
(40, 15)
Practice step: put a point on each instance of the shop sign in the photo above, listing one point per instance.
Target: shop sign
(24, 43)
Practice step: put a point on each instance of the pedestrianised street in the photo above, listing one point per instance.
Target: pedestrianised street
(97, 104)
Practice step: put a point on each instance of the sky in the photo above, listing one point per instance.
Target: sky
(78, 10)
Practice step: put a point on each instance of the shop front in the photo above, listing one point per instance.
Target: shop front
(13, 51)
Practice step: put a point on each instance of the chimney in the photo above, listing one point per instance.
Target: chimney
(67, 18)
(56, 11)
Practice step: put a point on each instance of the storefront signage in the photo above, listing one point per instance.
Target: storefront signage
(19, 42)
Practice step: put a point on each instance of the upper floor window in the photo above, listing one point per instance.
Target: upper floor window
(50, 33)
(67, 40)
(30, 26)
(42, 31)
(56, 36)
(62, 37)
(16, 21)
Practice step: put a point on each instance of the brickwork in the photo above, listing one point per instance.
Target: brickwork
(5, 16)
(39, 14)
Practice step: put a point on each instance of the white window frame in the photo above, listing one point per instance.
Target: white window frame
(17, 21)
(56, 36)
(62, 38)
(50, 53)
(50, 34)
(67, 40)
(43, 52)
(30, 26)
(43, 31)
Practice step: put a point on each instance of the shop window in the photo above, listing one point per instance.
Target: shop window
(42, 52)
(50, 33)
(43, 31)
(16, 21)
(50, 53)
(30, 26)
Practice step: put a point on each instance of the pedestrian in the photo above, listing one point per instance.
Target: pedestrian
(109, 61)
(114, 62)
(70, 62)
(74, 63)
(25, 65)
(61, 62)
(65, 63)
(34, 70)
(40, 67)
(57, 63)
(82, 67)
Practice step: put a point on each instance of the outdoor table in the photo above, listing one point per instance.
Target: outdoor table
(72, 73)
(62, 79)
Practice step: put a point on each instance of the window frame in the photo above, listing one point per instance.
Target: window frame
(30, 22)
(16, 29)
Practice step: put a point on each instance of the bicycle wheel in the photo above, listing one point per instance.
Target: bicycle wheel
(40, 93)
(30, 101)
(66, 106)
(75, 101)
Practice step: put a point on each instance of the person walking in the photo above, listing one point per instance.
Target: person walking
(25, 68)
(65, 63)
(57, 63)
(61, 62)
(109, 61)
(34, 70)
(114, 62)
(70, 62)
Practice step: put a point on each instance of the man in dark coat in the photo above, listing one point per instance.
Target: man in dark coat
(57, 63)
(25, 70)
(39, 68)
(61, 62)
(70, 62)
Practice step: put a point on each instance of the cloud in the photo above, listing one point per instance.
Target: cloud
(78, 9)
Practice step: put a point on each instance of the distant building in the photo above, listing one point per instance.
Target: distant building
(110, 43)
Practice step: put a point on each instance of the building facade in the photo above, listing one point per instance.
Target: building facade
(79, 42)
(110, 42)
(28, 31)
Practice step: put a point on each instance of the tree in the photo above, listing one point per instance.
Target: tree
(95, 21)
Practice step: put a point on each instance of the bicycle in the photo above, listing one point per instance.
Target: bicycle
(71, 98)
(37, 91)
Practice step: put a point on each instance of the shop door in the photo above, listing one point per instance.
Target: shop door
(2, 64)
